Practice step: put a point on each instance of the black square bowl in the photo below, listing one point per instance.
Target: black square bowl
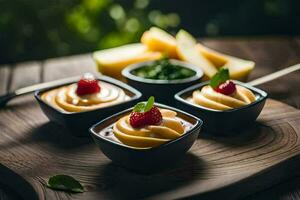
(163, 90)
(79, 123)
(223, 122)
(151, 159)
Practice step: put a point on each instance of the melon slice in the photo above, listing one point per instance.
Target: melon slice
(239, 69)
(218, 59)
(187, 51)
(159, 40)
(112, 61)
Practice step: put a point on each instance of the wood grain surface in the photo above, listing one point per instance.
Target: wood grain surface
(35, 148)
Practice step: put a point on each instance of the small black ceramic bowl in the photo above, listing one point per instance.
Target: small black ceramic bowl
(223, 122)
(151, 159)
(79, 123)
(163, 90)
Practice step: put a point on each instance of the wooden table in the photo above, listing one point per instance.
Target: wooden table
(270, 54)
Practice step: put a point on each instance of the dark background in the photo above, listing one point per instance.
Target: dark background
(37, 29)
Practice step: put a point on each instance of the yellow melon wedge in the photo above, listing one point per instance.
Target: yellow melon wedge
(239, 69)
(157, 39)
(218, 59)
(187, 51)
(112, 61)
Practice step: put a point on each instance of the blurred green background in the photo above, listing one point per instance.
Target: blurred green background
(38, 29)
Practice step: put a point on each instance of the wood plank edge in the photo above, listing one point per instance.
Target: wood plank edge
(256, 182)
(12, 179)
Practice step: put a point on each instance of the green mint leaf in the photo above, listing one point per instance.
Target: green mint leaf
(149, 104)
(220, 77)
(65, 183)
(139, 107)
(144, 107)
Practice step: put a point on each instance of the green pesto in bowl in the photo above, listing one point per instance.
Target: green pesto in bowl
(163, 70)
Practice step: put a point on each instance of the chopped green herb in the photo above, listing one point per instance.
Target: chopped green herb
(164, 70)
(65, 183)
(220, 77)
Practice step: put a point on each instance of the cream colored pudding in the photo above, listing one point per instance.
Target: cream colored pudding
(171, 127)
(209, 98)
(66, 99)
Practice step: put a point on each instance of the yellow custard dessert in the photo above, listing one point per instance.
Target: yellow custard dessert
(151, 128)
(226, 95)
(209, 98)
(67, 98)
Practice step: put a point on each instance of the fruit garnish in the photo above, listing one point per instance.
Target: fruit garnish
(220, 77)
(220, 82)
(187, 51)
(144, 114)
(87, 85)
(226, 88)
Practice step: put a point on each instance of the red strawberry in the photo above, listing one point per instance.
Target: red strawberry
(226, 88)
(136, 119)
(140, 119)
(87, 85)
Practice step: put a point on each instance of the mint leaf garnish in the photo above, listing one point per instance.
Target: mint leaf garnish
(220, 77)
(144, 107)
(149, 104)
(139, 107)
(65, 183)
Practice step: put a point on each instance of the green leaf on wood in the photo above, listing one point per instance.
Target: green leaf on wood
(65, 183)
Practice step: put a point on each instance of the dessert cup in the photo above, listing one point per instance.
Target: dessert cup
(227, 121)
(146, 159)
(79, 122)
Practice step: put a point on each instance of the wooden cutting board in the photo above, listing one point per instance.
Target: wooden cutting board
(32, 149)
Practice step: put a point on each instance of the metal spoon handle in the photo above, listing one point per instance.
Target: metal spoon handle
(5, 98)
(274, 75)
(45, 85)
